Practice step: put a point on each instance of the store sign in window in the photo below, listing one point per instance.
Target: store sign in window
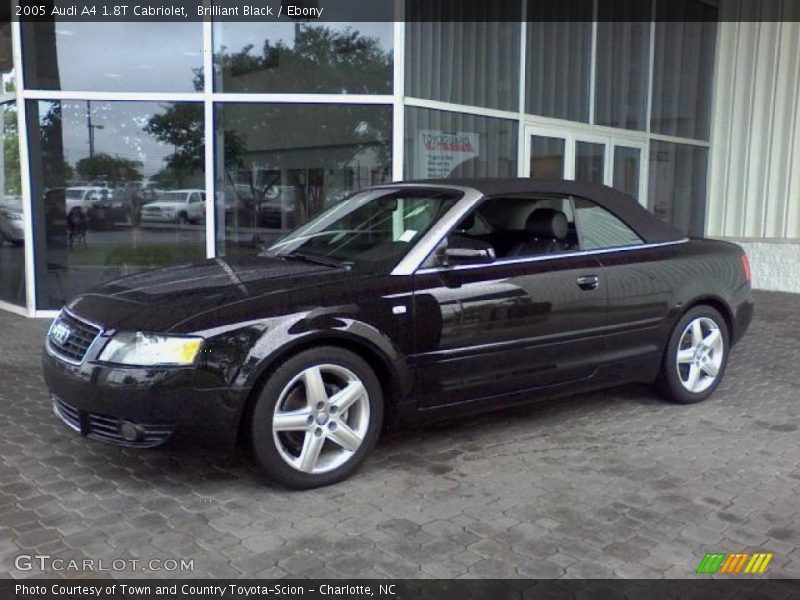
(441, 152)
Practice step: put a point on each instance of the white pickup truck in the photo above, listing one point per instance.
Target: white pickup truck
(176, 206)
(85, 198)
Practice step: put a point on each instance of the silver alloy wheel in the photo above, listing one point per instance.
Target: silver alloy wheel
(321, 418)
(700, 352)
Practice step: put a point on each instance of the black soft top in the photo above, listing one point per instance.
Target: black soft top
(643, 222)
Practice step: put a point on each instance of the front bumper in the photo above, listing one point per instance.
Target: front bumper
(121, 432)
(95, 400)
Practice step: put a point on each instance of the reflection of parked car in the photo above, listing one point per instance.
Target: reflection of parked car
(11, 225)
(180, 206)
(237, 197)
(271, 207)
(276, 210)
(97, 204)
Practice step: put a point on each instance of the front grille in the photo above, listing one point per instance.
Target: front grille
(106, 429)
(81, 336)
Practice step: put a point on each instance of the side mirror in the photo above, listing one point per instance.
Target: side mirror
(467, 251)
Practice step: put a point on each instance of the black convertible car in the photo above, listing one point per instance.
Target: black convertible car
(405, 300)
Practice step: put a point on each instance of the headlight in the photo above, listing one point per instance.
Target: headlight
(147, 350)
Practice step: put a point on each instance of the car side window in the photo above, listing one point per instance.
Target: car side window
(600, 229)
(513, 228)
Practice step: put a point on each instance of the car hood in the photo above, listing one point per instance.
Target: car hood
(206, 295)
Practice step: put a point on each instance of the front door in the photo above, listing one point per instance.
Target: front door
(492, 330)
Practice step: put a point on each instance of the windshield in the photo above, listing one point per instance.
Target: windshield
(371, 230)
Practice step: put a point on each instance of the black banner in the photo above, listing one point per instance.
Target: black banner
(254, 589)
(380, 10)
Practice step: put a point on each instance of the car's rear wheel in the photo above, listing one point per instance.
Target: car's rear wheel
(317, 417)
(696, 356)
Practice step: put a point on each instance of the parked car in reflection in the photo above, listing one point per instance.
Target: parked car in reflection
(237, 197)
(405, 301)
(176, 206)
(99, 205)
(277, 207)
(270, 207)
(12, 229)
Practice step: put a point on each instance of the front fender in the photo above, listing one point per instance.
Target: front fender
(286, 336)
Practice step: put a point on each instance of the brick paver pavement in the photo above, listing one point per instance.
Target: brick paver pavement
(616, 483)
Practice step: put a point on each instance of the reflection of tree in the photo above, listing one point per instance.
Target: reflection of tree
(58, 171)
(180, 126)
(6, 59)
(11, 174)
(322, 59)
(265, 142)
(110, 169)
(302, 142)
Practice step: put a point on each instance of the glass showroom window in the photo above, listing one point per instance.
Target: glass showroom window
(683, 69)
(678, 185)
(440, 144)
(464, 52)
(286, 57)
(278, 165)
(558, 59)
(117, 187)
(113, 57)
(622, 64)
(12, 239)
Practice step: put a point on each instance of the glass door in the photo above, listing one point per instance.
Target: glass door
(553, 153)
(627, 170)
(591, 154)
(546, 154)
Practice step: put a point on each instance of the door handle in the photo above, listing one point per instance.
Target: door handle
(588, 282)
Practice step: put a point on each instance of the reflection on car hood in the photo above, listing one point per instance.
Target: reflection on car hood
(204, 295)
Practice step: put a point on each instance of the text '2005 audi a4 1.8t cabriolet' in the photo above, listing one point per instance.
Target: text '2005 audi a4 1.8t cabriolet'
(425, 298)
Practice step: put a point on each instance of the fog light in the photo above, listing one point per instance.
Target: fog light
(130, 431)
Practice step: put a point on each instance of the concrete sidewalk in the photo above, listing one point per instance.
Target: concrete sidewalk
(613, 484)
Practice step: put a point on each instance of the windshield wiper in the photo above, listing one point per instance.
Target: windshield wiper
(315, 258)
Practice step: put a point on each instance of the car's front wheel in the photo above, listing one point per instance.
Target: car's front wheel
(696, 356)
(317, 417)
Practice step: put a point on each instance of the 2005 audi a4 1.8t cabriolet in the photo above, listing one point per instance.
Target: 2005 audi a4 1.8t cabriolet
(409, 299)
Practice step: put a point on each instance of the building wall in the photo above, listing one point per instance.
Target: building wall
(754, 191)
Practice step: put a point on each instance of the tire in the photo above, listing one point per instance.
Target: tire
(181, 219)
(702, 366)
(286, 431)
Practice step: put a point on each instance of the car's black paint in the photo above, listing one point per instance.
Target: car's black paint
(506, 328)
(441, 340)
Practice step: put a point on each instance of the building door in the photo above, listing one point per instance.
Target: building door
(615, 161)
